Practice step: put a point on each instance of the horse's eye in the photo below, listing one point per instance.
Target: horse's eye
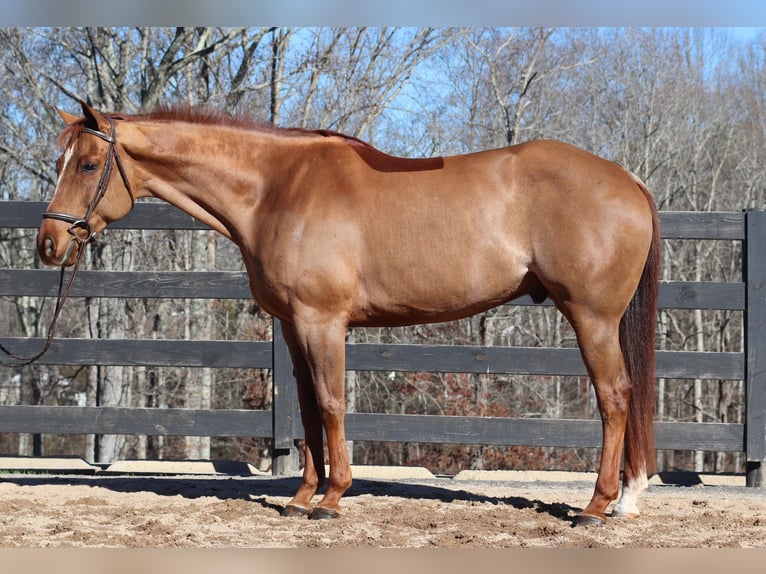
(89, 167)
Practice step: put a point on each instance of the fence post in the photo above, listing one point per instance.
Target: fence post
(755, 347)
(284, 406)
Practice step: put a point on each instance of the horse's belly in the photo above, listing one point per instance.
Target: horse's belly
(436, 293)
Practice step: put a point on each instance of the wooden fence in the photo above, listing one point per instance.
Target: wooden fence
(282, 424)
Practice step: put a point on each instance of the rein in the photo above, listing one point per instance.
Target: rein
(63, 294)
(77, 242)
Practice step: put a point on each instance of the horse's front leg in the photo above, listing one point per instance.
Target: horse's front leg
(322, 342)
(313, 471)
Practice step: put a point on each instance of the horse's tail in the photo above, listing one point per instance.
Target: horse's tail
(637, 334)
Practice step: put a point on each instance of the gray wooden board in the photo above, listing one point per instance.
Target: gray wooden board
(150, 352)
(528, 361)
(531, 431)
(129, 421)
(541, 361)
(129, 284)
(157, 215)
(702, 225)
(145, 215)
(285, 391)
(359, 426)
(234, 285)
(755, 317)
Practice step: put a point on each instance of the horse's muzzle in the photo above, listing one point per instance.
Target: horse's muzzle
(61, 253)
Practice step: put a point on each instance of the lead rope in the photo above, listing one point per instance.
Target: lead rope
(63, 292)
(61, 297)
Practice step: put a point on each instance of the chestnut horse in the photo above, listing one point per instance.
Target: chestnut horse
(335, 233)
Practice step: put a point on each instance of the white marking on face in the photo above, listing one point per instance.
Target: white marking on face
(67, 158)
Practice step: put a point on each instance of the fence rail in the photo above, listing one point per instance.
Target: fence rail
(282, 424)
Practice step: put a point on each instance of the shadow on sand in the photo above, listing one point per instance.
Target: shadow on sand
(258, 489)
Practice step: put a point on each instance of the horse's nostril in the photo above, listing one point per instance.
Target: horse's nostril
(50, 247)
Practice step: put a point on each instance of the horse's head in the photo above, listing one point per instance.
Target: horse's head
(89, 194)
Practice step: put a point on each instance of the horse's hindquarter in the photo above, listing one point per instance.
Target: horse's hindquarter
(591, 227)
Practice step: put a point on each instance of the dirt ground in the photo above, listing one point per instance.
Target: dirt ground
(244, 511)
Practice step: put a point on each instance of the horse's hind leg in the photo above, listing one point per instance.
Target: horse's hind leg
(635, 479)
(313, 471)
(598, 338)
(632, 487)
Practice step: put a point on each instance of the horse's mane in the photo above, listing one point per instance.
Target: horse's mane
(206, 116)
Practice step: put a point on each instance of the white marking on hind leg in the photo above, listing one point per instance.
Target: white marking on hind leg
(626, 506)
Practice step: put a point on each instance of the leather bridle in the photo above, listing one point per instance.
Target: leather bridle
(78, 223)
(112, 157)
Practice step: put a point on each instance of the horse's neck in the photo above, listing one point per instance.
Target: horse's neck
(214, 180)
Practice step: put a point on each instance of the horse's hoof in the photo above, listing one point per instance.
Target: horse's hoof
(293, 511)
(320, 513)
(585, 520)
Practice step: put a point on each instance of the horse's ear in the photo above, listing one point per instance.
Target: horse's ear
(69, 119)
(93, 118)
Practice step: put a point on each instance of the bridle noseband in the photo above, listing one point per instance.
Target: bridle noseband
(112, 157)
